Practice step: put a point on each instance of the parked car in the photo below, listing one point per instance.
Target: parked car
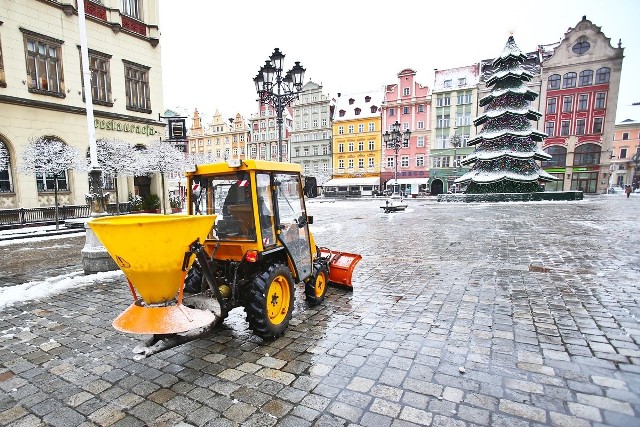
(615, 190)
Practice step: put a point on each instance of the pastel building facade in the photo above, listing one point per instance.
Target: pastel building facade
(408, 103)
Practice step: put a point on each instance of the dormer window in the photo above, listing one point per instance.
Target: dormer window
(357, 111)
(341, 112)
(447, 83)
(367, 98)
(374, 108)
(406, 91)
(351, 101)
(462, 81)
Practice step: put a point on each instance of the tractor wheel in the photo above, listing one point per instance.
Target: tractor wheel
(270, 302)
(316, 287)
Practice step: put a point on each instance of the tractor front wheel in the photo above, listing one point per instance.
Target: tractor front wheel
(316, 287)
(270, 302)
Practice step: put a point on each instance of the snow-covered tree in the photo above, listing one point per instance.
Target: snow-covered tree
(115, 158)
(506, 150)
(161, 157)
(49, 158)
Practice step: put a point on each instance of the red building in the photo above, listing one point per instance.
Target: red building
(580, 83)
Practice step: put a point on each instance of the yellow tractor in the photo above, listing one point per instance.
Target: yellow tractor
(245, 242)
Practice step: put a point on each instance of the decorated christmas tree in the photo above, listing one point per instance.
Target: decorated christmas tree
(504, 160)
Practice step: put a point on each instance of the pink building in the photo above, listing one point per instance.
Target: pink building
(409, 103)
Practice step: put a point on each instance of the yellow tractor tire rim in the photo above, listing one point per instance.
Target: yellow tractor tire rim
(278, 300)
(320, 285)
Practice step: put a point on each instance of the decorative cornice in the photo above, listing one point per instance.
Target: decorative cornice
(75, 110)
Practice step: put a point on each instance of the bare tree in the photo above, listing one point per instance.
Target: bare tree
(114, 157)
(49, 157)
(161, 157)
(4, 158)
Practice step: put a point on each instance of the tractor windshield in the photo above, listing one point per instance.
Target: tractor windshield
(228, 197)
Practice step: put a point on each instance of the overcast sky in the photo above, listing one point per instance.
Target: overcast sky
(212, 50)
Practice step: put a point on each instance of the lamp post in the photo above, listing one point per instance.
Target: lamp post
(278, 91)
(393, 139)
(455, 141)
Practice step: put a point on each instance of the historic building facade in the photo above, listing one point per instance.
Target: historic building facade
(579, 94)
(357, 144)
(221, 140)
(408, 103)
(454, 99)
(263, 144)
(625, 163)
(42, 93)
(311, 133)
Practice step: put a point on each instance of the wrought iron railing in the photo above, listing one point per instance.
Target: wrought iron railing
(24, 216)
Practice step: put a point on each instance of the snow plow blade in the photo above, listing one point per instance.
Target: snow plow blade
(341, 266)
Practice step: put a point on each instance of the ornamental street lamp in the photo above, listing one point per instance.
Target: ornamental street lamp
(394, 139)
(278, 91)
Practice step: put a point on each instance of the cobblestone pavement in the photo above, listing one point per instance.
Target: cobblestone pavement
(507, 314)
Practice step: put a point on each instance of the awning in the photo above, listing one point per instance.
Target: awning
(409, 181)
(346, 182)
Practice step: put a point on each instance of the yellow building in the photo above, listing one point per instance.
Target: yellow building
(42, 89)
(223, 139)
(357, 145)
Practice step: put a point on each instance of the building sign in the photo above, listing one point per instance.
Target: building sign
(124, 127)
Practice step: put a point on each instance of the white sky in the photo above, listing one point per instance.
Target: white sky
(211, 50)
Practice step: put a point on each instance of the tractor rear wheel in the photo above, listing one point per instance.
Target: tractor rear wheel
(270, 302)
(316, 287)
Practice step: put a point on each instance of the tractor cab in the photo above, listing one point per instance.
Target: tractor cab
(260, 210)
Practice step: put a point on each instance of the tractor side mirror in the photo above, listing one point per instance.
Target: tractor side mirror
(309, 219)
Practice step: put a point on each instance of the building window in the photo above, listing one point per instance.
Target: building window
(340, 130)
(558, 156)
(341, 163)
(351, 127)
(44, 64)
(361, 146)
(47, 182)
(586, 155)
(371, 162)
(342, 113)
(351, 147)
(623, 153)
(420, 141)
(625, 136)
(136, 80)
(420, 108)
(442, 121)
(372, 145)
(447, 101)
(405, 110)
(462, 81)
(567, 104)
(390, 162)
(341, 148)
(580, 126)
(419, 160)
(564, 129)
(551, 105)
(100, 78)
(602, 75)
(131, 8)
(550, 128)
(406, 91)
(361, 163)
(350, 163)
(581, 47)
(404, 162)
(5, 170)
(569, 80)
(583, 101)
(420, 125)
(372, 127)
(553, 82)
(405, 126)
(597, 124)
(601, 98)
(392, 111)
(360, 128)
(586, 78)
(447, 83)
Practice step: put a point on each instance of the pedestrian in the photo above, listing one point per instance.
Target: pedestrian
(627, 189)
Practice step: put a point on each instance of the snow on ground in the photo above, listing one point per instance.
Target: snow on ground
(41, 289)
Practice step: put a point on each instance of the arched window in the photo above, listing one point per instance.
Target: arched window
(602, 75)
(559, 156)
(6, 185)
(587, 155)
(569, 80)
(554, 81)
(586, 78)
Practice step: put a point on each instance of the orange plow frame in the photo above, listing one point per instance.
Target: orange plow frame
(341, 266)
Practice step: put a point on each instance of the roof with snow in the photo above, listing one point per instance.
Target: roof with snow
(358, 105)
(628, 114)
(453, 76)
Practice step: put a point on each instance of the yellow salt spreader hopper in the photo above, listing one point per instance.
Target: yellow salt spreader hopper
(154, 253)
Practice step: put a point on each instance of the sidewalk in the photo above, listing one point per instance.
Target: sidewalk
(40, 231)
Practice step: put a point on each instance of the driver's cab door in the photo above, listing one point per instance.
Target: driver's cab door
(293, 227)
